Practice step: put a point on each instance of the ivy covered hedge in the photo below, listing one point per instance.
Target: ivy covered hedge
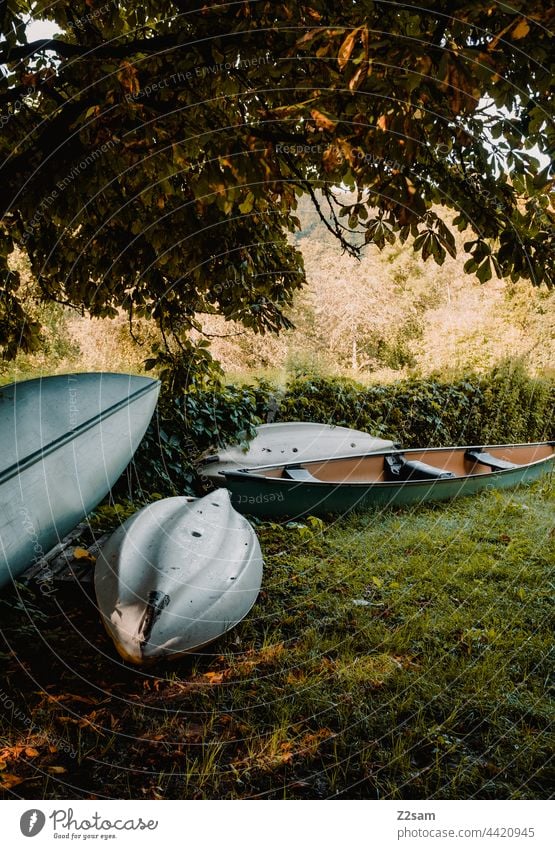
(506, 405)
(183, 427)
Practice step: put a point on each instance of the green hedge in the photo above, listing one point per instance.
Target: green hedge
(183, 427)
(505, 405)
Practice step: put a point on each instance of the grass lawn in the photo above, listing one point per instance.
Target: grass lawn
(404, 654)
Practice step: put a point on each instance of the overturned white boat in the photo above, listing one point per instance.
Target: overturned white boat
(64, 441)
(292, 442)
(176, 576)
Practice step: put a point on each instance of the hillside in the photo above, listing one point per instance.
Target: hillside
(384, 317)
(391, 314)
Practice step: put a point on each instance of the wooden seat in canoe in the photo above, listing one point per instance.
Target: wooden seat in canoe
(485, 459)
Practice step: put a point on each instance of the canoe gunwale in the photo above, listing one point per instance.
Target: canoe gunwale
(256, 473)
(30, 459)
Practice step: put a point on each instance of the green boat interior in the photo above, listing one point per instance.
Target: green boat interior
(415, 464)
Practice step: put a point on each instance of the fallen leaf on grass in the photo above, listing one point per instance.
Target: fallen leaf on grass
(322, 121)
(57, 770)
(153, 684)
(286, 752)
(7, 781)
(521, 30)
(64, 697)
(310, 743)
(93, 720)
(83, 554)
(152, 738)
(175, 692)
(11, 752)
(214, 677)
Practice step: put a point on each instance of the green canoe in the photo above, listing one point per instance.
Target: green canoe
(391, 478)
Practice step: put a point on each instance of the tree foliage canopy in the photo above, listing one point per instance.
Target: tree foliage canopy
(152, 154)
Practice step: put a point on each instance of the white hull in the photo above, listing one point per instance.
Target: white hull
(65, 441)
(293, 442)
(176, 576)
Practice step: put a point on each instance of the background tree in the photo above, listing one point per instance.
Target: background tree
(152, 155)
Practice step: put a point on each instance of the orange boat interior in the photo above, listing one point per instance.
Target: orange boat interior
(371, 467)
